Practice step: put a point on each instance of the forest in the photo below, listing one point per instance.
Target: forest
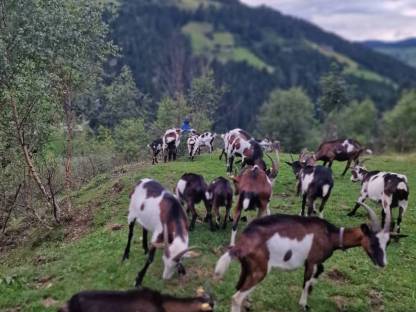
(86, 85)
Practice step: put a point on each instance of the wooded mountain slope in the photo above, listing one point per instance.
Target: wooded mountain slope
(251, 50)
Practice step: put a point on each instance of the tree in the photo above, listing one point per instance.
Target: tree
(288, 116)
(42, 43)
(170, 114)
(334, 93)
(358, 120)
(400, 126)
(108, 104)
(130, 138)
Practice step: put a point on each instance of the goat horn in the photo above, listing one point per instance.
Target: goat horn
(273, 173)
(375, 224)
(397, 235)
(179, 255)
(364, 160)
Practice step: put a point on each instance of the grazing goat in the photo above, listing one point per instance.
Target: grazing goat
(240, 143)
(155, 147)
(388, 188)
(219, 193)
(254, 189)
(313, 182)
(205, 139)
(290, 242)
(171, 140)
(190, 143)
(190, 190)
(137, 300)
(159, 212)
(342, 150)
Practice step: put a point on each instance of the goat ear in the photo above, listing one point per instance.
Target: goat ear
(289, 163)
(366, 229)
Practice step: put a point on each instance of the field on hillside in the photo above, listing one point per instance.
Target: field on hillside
(54, 265)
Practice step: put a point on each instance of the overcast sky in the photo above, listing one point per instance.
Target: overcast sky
(354, 19)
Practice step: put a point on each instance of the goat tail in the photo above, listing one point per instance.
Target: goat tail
(223, 263)
(369, 151)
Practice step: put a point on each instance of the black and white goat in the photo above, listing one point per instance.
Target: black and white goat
(137, 300)
(290, 242)
(314, 182)
(171, 140)
(159, 212)
(204, 139)
(388, 188)
(219, 193)
(190, 190)
(254, 189)
(155, 148)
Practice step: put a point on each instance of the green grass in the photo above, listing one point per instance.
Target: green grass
(93, 260)
(352, 68)
(220, 45)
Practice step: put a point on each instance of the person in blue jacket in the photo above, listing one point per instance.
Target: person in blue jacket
(186, 126)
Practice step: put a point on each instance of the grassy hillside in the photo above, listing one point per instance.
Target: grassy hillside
(87, 255)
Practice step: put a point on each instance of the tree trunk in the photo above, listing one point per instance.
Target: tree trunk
(69, 123)
(28, 159)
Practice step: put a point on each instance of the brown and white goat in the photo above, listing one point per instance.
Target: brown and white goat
(348, 150)
(191, 142)
(254, 189)
(137, 300)
(159, 212)
(388, 188)
(290, 242)
(314, 182)
(190, 190)
(219, 193)
(171, 140)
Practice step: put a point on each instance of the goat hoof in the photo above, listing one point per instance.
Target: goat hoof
(305, 308)
(350, 214)
(243, 219)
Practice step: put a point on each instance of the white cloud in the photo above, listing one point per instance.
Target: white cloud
(353, 19)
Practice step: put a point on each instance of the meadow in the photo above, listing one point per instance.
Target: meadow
(43, 273)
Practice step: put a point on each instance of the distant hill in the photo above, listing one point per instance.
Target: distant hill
(251, 50)
(404, 50)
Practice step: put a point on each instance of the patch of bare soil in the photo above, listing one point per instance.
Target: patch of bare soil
(49, 302)
(341, 303)
(376, 300)
(80, 222)
(337, 276)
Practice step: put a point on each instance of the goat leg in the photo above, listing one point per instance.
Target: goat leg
(127, 250)
(149, 261)
(144, 241)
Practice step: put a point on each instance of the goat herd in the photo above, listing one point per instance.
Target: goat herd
(283, 241)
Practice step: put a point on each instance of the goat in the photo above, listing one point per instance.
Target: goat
(191, 189)
(288, 242)
(171, 140)
(137, 300)
(254, 189)
(190, 143)
(155, 147)
(388, 188)
(219, 193)
(342, 150)
(159, 212)
(205, 139)
(313, 182)
(240, 143)
(268, 145)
